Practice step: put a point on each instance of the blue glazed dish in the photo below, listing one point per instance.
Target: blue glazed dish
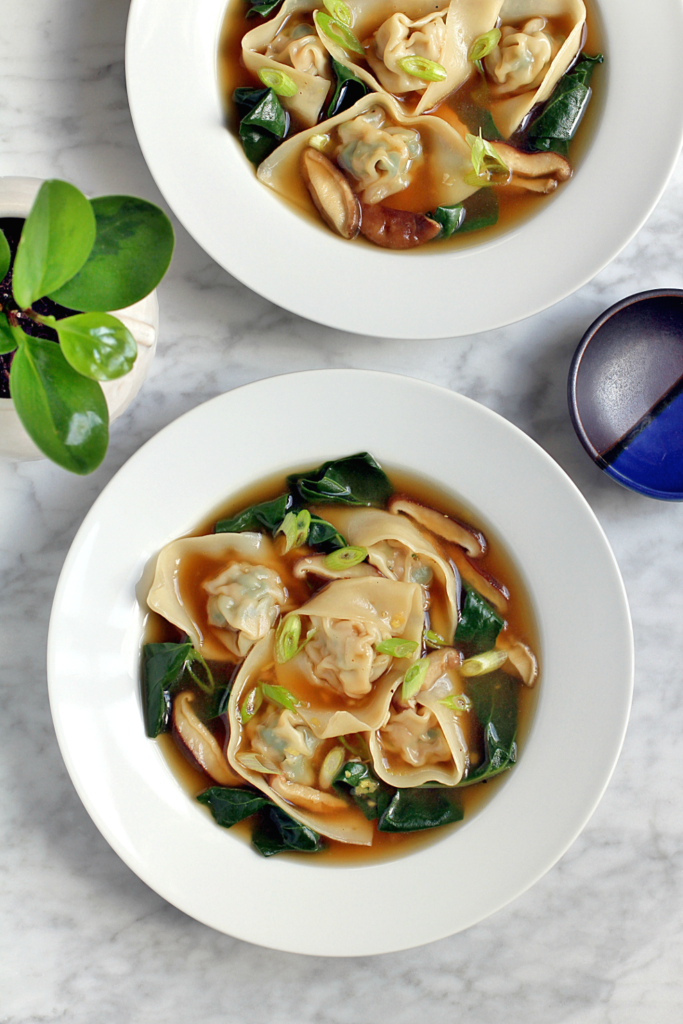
(625, 393)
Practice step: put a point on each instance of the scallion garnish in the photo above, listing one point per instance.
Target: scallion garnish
(319, 142)
(279, 81)
(345, 558)
(485, 161)
(287, 638)
(251, 703)
(414, 678)
(279, 695)
(255, 763)
(340, 11)
(481, 664)
(295, 527)
(207, 684)
(396, 647)
(337, 32)
(433, 639)
(422, 68)
(483, 45)
(457, 702)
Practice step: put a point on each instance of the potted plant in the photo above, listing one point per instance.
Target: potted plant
(76, 306)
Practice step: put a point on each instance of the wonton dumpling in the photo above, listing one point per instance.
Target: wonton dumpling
(388, 35)
(532, 56)
(286, 746)
(344, 682)
(399, 549)
(422, 741)
(289, 42)
(376, 154)
(443, 162)
(243, 595)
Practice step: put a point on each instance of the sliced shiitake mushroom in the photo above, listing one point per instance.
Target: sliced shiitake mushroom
(534, 172)
(201, 744)
(331, 193)
(521, 657)
(471, 540)
(396, 229)
(307, 797)
(315, 565)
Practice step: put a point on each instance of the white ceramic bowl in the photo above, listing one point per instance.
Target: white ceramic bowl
(171, 69)
(141, 319)
(565, 561)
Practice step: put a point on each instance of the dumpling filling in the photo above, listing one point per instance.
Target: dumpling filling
(416, 736)
(299, 47)
(245, 601)
(399, 37)
(378, 155)
(519, 62)
(343, 656)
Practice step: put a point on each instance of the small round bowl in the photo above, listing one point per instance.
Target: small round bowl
(625, 393)
(515, 491)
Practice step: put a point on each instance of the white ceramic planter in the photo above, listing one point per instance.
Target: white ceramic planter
(141, 319)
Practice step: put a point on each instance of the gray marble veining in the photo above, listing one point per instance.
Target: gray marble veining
(599, 940)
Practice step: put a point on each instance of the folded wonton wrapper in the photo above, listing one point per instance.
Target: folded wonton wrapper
(436, 177)
(242, 608)
(347, 825)
(407, 724)
(508, 113)
(465, 20)
(344, 686)
(391, 541)
(313, 88)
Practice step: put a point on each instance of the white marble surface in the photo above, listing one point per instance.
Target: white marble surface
(600, 938)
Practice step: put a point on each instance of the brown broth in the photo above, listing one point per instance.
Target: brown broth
(514, 206)
(497, 562)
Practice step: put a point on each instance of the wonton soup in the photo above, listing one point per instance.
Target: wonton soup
(342, 661)
(409, 121)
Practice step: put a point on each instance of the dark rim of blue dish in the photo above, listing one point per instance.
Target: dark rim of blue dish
(574, 368)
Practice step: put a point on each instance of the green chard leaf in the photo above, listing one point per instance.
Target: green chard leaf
(262, 7)
(263, 122)
(353, 480)
(97, 345)
(370, 794)
(495, 699)
(348, 91)
(323, 535)
(478, 119)
(55, 241)
(481, 211)
(217, 703)
(411, 810)
(162, 669)
(479, 625)
(275, 832)
(450, 218)
(5, 256)
(267, 514)
(63, 413)
(232, 804)
(554, 128)
(131, 253)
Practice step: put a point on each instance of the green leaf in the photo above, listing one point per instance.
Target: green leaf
(322, 534)
(97, 345)
(232, 804)
(495, 699)
(55, 242)
(450, 218)
(5, 256)
(478, 119)
(411, 810)
(131, 253)
(262, 7)
(280, 695)
(370, 794)
(275, 832)
(481, 211)
(217, 703)
(555, 126)
(348, 91)
(353, 480)
(263, 121)
(162, 669)
(479, 624)
(268, 514)
(63, 413)
(8, 335)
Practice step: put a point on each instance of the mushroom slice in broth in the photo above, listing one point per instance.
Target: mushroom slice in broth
(200, 743)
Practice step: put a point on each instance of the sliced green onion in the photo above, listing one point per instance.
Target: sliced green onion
(329, 769)
(457, 702)
(255, 763)
(279, 695)
(287, 638)
(421, 67)
(433, 639)
(340, 11)
(345, 558)
(207, 684)
(319, 142)
(414, 678)
(278, 81)
(397, 647)
(482, 45)
(478, 182)
(485, 158)
(251, 703)
(481, 664)
(295, 527)
(338, 33)
(356, 746)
